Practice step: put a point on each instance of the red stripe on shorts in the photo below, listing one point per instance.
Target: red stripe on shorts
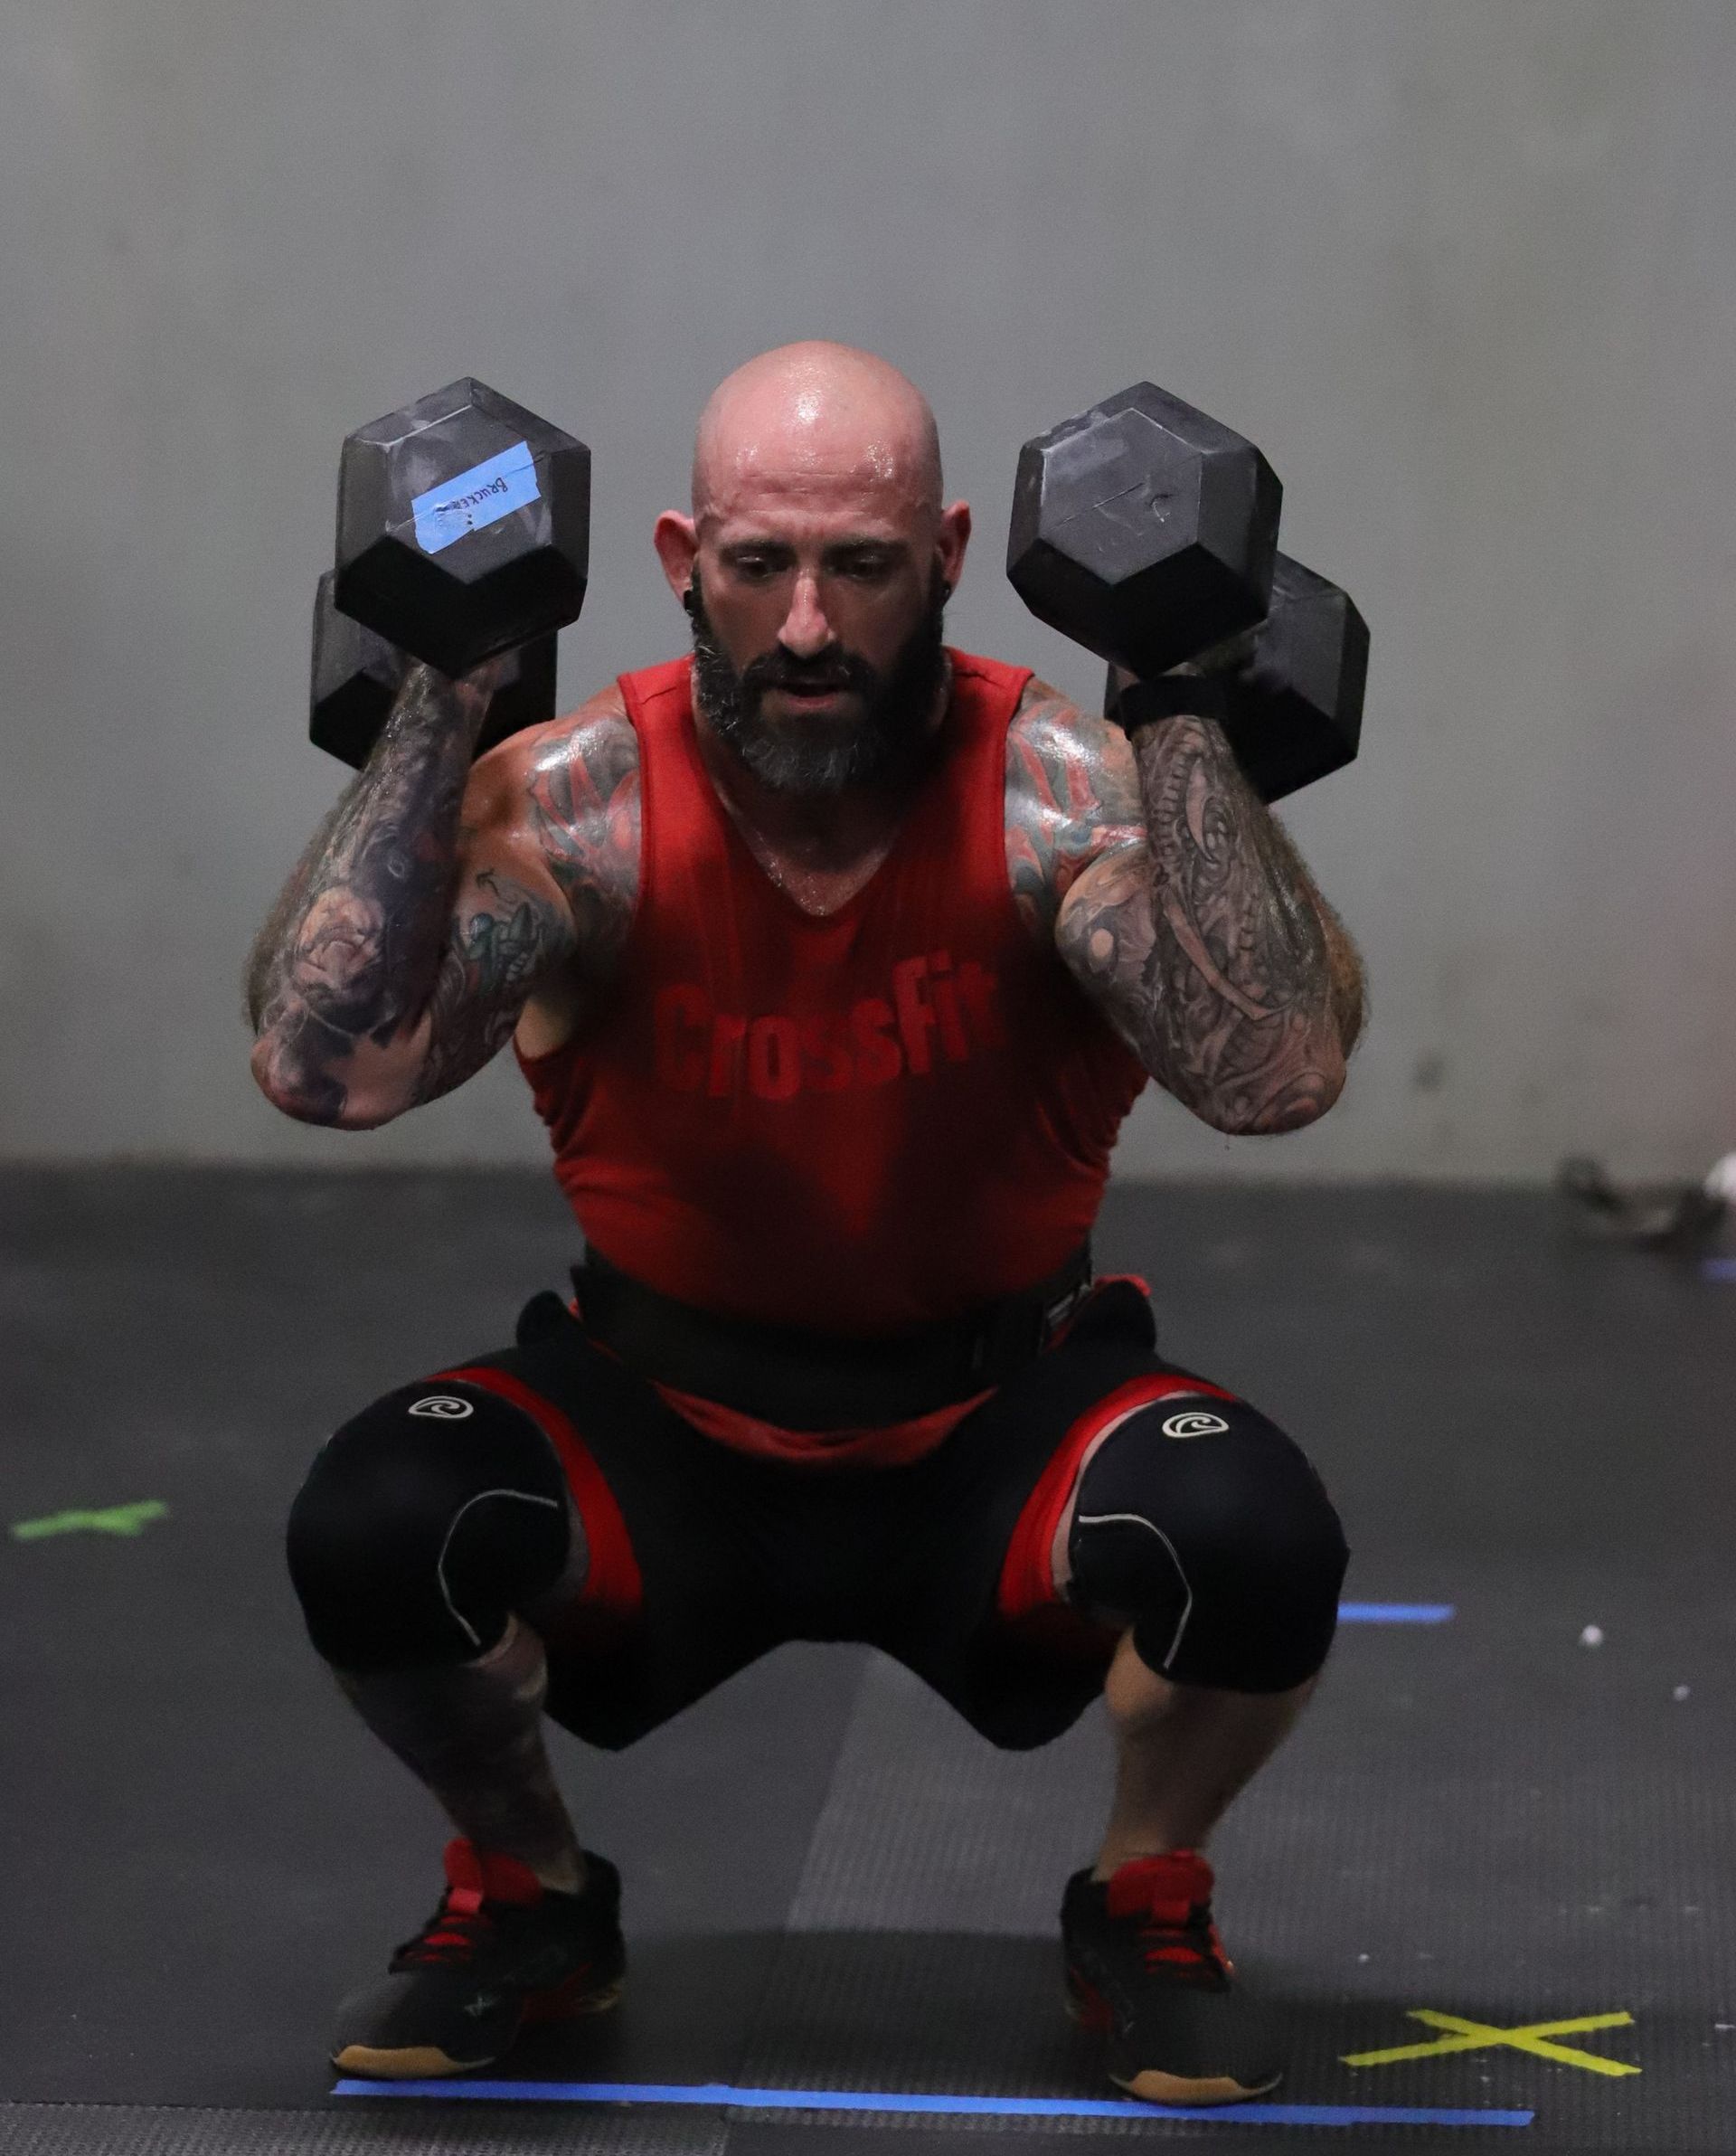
(612, 1581)
(1027, 1575)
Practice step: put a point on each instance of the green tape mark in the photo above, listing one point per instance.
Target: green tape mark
(119, 1520)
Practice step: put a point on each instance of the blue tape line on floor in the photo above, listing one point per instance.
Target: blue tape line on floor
(1718, 1269)
(1395, 1613)
(1019, 2107)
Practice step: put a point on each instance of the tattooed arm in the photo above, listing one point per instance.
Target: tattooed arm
(1178, 903)
(440, 899)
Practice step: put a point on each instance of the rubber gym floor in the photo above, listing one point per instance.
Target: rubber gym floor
(1490, 1881)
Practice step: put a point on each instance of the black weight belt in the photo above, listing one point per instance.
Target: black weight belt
(800, 1380)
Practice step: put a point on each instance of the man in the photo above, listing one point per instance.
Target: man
(834, 958)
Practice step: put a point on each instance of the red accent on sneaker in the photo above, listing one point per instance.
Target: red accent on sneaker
(465, 1886)
(507, 1878)
(1178, 1875)
(474, 1878)
(1173, 1893)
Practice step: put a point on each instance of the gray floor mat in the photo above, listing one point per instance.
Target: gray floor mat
(831, 1883)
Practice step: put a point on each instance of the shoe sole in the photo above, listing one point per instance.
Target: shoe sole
(428, 2062)
(1152, 2086)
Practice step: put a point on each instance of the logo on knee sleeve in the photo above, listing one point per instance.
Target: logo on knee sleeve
(443, 1407)
(1194, 1425)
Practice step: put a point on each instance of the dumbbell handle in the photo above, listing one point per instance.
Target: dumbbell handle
(1133, 703)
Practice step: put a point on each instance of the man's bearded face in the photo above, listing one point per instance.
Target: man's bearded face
(883, 737)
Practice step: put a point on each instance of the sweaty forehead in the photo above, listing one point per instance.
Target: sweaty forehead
(816, 431)
(758, 496)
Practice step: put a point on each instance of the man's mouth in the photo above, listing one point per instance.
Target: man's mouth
(811, 692)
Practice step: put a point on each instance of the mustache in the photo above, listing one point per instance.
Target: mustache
(825, 670)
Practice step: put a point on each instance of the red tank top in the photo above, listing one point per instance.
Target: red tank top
(860, 1124)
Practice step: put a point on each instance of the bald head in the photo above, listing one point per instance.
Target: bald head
(810, 419)
(816, 568)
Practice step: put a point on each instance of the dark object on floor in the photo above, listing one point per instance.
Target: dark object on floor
(1656, 1216)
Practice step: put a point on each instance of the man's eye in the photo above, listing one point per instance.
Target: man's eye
(868, 569)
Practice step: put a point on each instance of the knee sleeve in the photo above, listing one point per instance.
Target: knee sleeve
(1204, 1524)
(422, 1524)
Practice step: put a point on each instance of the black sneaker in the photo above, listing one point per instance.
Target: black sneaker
(1145, 1965)
(501, 1949)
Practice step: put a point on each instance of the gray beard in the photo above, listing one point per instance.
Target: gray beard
(822, 755)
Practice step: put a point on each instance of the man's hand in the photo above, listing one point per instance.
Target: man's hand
(1178, 903)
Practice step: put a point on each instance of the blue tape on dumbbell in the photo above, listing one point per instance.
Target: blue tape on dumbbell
(470, 501)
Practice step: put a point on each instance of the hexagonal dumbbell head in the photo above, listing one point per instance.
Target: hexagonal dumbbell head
(1295, 705)
(1303, 715)
(356, 675)
(1144, 530)
(463, 526)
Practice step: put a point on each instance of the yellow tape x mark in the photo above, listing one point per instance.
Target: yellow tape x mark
(1479, 2036)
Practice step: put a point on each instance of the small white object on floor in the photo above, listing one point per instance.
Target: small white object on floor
(1720, 1179)
(1680, 1693)
(1592, 1636)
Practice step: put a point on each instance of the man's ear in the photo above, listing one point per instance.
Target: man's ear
(676, 540)
(951, 540)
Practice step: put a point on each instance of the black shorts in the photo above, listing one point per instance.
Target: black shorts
(702, 1557)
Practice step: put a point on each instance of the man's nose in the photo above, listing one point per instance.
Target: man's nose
(805, 632)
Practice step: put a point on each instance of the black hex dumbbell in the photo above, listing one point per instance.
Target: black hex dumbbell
(1293, 709)
(1144, 530)
(1148, 533)
(463, 531)
(356, 678)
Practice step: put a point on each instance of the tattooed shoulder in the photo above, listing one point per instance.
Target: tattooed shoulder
(1073, 795)
(551, 846)
(571, 791)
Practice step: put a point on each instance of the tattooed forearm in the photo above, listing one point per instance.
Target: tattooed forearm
(268, 959)
(438, 898)
(1209, 946)
(350, 954)
(1240, 988)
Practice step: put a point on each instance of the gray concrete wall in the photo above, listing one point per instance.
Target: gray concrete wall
(1466, 270)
